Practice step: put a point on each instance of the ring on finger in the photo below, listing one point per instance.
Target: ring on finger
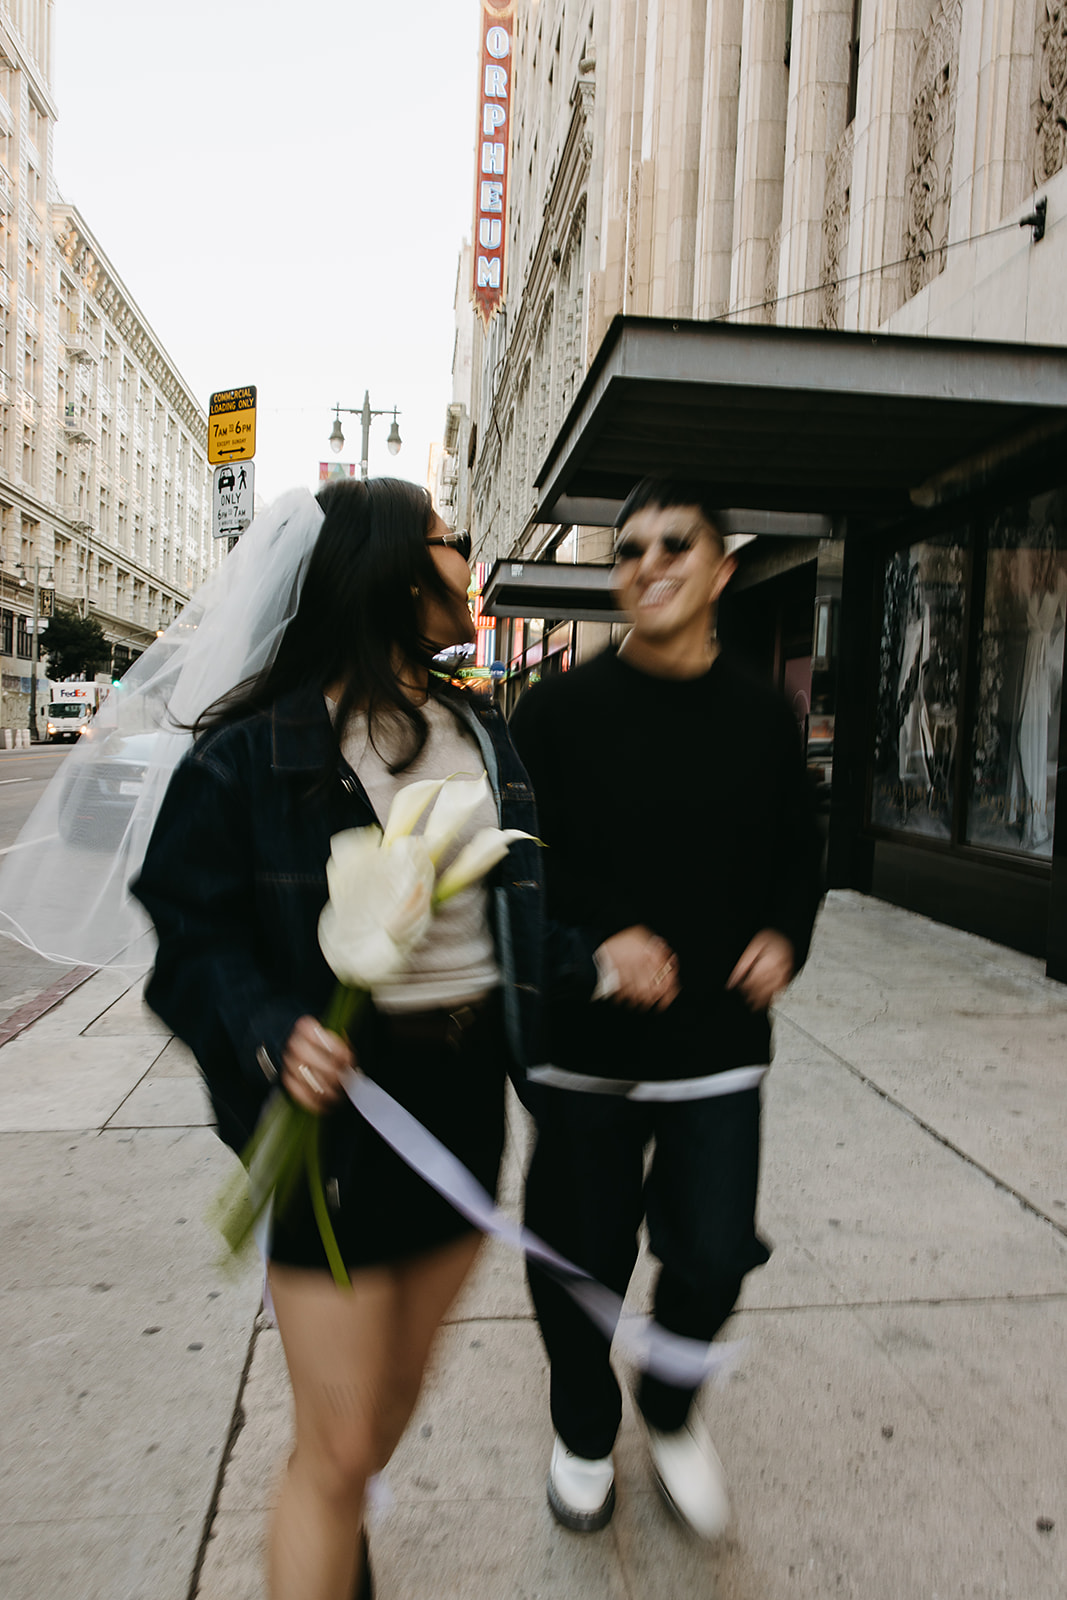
(309, 1078)
(664, 972)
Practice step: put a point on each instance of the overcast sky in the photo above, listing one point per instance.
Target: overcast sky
(283, 188)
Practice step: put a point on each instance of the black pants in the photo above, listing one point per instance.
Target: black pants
(586, 1194)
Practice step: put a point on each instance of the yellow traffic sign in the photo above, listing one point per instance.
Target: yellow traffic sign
(231, 426)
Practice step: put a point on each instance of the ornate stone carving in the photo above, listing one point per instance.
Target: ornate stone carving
(770, 277)
(632, 214)
(928, 191)
(835, 222)
(1050, 147)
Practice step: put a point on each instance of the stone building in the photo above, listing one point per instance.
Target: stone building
(104, 483)
(812, 252)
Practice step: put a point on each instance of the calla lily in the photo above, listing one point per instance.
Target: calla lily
(408, 805)
(476, 859)
(454, 807)
(380, 905)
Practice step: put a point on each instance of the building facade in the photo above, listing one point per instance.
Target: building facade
(105, 495)
(828, 169)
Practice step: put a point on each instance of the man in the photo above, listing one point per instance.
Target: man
(681, 831)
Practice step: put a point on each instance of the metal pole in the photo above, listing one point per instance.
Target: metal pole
(365, 416)
(35, 652)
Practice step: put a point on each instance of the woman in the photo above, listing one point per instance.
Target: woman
(234, 880)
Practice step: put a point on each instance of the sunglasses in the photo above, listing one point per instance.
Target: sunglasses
(457, 541)
(672, 545)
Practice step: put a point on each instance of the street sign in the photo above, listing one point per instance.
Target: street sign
(497, 670)
(231, 499)
(231, 425)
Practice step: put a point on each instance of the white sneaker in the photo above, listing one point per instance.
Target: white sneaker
(690, 1477)
(581, 1493)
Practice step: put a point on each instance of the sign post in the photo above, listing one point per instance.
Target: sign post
(231, 441)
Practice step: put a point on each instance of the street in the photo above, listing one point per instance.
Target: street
(24, 775)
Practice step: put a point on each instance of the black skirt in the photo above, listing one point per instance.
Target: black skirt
(380, 1209)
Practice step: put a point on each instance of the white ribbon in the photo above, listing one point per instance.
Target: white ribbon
(668, 1356)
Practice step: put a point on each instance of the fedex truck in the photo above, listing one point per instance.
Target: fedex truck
(70, 709)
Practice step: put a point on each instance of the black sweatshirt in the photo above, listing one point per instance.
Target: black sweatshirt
(683, 805)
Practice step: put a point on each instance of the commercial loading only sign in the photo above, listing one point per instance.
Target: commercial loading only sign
(231, 425)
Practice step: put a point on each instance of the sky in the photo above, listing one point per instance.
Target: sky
(283, 188)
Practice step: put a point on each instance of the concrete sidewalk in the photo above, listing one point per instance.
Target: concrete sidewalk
(897, 1429)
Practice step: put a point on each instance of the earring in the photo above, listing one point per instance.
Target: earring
(415, 591)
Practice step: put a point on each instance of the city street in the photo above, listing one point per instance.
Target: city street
(896, 1428)
(24, 775)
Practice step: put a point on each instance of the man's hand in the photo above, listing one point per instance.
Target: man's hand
(646, 969)
(763, 970)
(313, 1063)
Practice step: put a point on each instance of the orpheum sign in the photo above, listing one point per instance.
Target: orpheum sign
(494, 148)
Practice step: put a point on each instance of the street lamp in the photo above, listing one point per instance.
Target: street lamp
(337, 438)
(39, 583)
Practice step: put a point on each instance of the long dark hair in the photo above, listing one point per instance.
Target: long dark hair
(358, 613)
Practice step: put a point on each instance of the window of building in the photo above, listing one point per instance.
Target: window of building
(7, 632)
(918, 713)
(23, 636)
(974, 765)
(854, 60)
(1012, 791)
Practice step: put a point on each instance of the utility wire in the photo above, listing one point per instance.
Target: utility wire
(869, 272)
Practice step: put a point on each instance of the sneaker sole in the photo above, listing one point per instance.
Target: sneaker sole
(580, 1521)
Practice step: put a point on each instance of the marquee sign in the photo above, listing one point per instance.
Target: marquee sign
(494, 152)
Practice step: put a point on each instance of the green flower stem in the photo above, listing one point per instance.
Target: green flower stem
(313, 1159)
(285, 1147)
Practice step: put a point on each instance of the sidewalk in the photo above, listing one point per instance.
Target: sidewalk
(897, 1429)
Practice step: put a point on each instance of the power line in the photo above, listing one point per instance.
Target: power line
(870, 272)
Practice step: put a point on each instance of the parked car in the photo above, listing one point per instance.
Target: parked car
(101, 794)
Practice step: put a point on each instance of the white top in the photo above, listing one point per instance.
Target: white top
(456, 961)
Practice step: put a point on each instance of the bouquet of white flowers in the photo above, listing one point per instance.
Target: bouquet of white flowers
(385, 889)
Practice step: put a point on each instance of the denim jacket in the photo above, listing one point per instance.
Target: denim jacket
(234, 879)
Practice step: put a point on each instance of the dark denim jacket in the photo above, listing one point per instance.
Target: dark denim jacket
(234, 879)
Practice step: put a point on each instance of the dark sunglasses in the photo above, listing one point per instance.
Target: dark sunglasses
(457, 541)
(672, 544)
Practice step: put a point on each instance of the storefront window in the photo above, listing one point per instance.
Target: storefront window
(918, 712)
(1020, 679)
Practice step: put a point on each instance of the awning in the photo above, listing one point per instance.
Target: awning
(798, 419)
(564, 593)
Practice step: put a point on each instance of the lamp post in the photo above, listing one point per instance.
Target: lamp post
(39, 583)
(337, 438)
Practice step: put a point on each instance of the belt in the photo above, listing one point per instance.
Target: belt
(441, 1026)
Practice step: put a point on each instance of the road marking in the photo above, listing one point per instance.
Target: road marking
(27, 842)
(19, 780)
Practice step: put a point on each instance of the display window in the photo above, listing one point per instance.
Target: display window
(1012, 791)
(917, 722)
(973, 764)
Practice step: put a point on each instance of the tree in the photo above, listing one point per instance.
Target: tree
(75, 646)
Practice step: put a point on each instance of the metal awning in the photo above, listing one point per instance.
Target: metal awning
(797, 419)
(565, 593)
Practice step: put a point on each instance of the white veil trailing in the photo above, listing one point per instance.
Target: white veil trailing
(64, 884)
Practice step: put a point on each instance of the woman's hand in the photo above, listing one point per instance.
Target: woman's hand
(313, 1063)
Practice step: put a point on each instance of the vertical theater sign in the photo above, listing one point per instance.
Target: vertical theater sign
(494, 148)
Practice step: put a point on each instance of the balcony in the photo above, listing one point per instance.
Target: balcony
(79, 347)
(76, 429)
(28, 405)
(7, 190)
(78, 516)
